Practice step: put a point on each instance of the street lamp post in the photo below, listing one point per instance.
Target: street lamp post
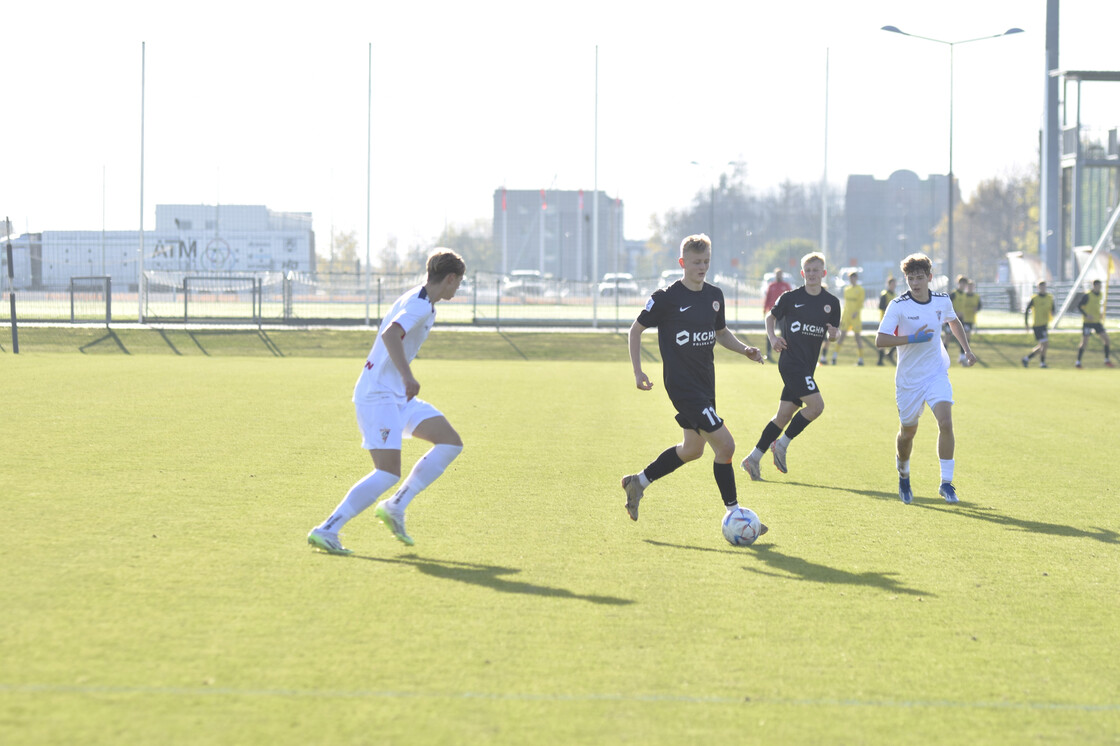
(711, 197)
(951, 44)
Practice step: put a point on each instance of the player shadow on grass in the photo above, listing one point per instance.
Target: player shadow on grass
(1104, 535)
(797, 568)
(489, 576)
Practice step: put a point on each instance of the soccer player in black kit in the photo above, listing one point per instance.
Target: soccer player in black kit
(689, 316)
(807, 315)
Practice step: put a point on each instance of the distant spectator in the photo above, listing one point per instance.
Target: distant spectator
(773, 291)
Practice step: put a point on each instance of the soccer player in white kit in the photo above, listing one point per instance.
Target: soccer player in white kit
(911, 323)
(388, 410)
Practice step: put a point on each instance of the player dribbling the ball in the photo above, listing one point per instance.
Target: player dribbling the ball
(689, 316)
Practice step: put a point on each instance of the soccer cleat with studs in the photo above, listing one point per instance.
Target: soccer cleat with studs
(394, 523)
(634, 490)
(905, 494)
(750, 466)
(948, 492)
(779, 452)
(325, 541)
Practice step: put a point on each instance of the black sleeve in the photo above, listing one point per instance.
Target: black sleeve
(883, 301)
(652, 314)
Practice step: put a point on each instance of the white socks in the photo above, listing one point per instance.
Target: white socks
(361, 496)
(947, 465)
(427, 470)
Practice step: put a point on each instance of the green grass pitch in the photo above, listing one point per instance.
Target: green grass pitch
(157, 587)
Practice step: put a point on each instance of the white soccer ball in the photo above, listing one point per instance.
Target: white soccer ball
(741, 527)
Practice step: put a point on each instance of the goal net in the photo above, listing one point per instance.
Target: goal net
(91, 299)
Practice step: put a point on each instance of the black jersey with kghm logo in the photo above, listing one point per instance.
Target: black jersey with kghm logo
(802, 319)
(687, 322)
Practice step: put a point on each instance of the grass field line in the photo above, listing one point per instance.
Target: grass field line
(209, 691)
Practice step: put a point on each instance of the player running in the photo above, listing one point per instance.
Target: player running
(807, 316)
(912, 320)
(689, 316)
(1041, 305)
(1090, 308)
(388, 410)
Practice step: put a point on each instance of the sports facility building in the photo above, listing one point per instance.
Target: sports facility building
(187, 238)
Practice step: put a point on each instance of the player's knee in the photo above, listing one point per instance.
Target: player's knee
(690, 453)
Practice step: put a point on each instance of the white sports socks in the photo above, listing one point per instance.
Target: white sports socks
(947, 465)
(427, 470)
(361, 496)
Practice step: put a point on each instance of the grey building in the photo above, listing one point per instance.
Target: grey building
(551, 231)
(888, 219)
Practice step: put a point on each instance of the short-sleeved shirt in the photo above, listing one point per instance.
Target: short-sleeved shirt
(380, 380)
(965, 305)
(773, 292)
(687, 322)
(854, 297)
(802, 319)
(885, 298)
(918, 362)
(1090, 307)
(1041, 307)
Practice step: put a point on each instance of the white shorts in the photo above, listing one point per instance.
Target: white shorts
(911, 400)
(385, 425)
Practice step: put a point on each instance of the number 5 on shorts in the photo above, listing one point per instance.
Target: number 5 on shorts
(810, 383)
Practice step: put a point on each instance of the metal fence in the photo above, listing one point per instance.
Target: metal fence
(484, 299)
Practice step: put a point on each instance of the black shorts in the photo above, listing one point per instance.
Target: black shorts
(1040, 333)
(798, 383)
(1089, 327)
(697, 414)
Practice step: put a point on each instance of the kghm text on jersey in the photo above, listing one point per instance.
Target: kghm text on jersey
(697, 338)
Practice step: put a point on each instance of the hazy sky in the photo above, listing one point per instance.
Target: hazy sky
(248, 103)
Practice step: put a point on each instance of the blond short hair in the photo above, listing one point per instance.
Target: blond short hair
(812, 256)
(697, 243)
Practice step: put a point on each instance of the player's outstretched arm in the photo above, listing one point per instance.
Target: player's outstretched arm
(641, 380)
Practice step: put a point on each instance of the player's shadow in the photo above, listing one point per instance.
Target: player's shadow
(489, 576)
(877, 494)
(797, 568)
(1105, 535)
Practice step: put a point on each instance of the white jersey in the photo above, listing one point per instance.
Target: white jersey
(918, 362)
(380, 380)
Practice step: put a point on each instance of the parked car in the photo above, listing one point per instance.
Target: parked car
(524, 282)
(619, 283)
(669, 276)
